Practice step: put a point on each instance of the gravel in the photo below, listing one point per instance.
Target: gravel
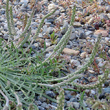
(81, 41)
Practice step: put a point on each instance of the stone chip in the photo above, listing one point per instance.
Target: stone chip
(103, 32)
(70, 51)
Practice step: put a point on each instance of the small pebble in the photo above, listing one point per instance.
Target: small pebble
(92, 92)
(77, 24)
(83, 55)
(76, 105)
(64, 28)
(82, 36)
(70, 51)
(41, 108)
(50, 93)
(75, 62)
(106, 90)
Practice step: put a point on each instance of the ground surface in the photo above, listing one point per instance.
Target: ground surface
(91, 19)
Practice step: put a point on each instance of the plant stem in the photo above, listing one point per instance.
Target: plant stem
(39, 27)
(8, 20)
(12, 22)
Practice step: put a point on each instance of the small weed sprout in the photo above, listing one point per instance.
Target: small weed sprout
(53, 38)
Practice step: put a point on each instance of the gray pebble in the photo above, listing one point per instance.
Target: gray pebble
(98, 59)
(76, 105)
(48, 44)
(1, 35)
(47, 55)
(82, 35)
(47, 23)
(50, 94)
(45, 29)
(24, 5)
(25, 45)
(88, 33)
(101, 64)
(68, 96)
(92, 92)
(2, 19)
(33, 31)
(69, 103)
(54, 104)
(45, 105)
(73, 104)
(73, 36)
(24, 1)
(40, 35)
(103, 16)
(68, 46)
(5, 36)
(38, 103)
(34, 55)
(57, 12)
(73, 99)
(77, 24)
(41, 108)
(5, 26)
(75, 62)
(49, 30)
(50, 20)
(42, 99)
(78, 97)
(51, 107)
(33, 47)
(106, 90)
(2, 11)
(91, 29)
(70, 43)
(65, 27)
(67, 92)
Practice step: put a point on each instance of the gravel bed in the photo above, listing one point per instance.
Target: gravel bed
(77, 51)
